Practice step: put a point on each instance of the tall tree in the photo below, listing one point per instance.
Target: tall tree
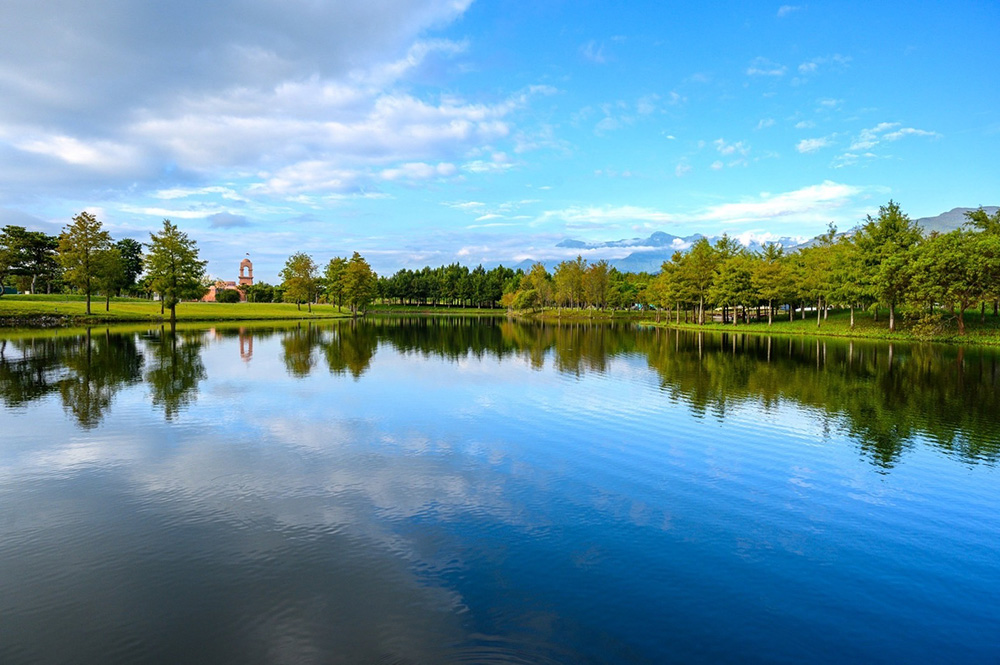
(131, 255)
(30, 255)
(334, 278)
(697, 272)
(174, 268)
(298, 278)
(79, 246)
(769, 276)
(110, 277)
(885, 243)
(359, 284)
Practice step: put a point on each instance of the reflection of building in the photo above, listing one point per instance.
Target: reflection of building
(245, 279)
(246, 344)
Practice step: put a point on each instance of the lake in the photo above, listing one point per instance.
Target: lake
(462, 490)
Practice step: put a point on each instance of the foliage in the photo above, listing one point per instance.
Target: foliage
(359, 284)
(333, 276)
(80, 245)
(174, 267)
(298, 278)
(131, 257)
(227, 296)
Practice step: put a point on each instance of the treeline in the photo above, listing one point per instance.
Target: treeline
(574, 284)
(85, 258)
(888, 263)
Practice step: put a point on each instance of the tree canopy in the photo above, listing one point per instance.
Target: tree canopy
(173, 266)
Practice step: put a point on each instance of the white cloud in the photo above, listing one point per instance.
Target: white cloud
(419, 171)
(716, 165)
(908, 131)
(812, 145)
(805, 124)
(761, 66)
(594, 52)
(815, 204)
(682, 170)
(727, 149)
(764, 123)
(785, 10)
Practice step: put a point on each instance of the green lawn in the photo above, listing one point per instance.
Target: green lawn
(36, 309)
(836, 325)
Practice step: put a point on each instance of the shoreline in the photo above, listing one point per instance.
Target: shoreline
(46, 315)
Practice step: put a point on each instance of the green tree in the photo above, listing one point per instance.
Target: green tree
(333, 276)
(174, 268)
(131, 255)
(298, 278)
(568, 278)
(769, 277)
(885, 243)
(110, 277)
(80, 244)
(697, 273)
(596, 281)
(29, 255)
(359, 284)
(954, 269)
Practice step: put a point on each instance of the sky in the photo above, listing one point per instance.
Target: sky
(424, 132)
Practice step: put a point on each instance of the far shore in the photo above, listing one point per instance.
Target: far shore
(60, 311)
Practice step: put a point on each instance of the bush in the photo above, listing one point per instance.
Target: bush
(227, 295)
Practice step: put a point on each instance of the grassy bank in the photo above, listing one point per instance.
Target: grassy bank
(838, 324)
(61, 310)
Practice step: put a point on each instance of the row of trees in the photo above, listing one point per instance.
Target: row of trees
(887, 263)
(35, 261)
(344, 281)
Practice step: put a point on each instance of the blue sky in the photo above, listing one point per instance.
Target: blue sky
(428, 131)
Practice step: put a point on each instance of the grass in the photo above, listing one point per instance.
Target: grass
(34, 310)
(838, 324)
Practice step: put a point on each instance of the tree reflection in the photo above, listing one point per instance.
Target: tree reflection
(351, 348)
(297, 345)
(86, 370)
(99, 366)
(175, 369)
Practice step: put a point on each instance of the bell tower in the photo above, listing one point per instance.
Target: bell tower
(246, 272)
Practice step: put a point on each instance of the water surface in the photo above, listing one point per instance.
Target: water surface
(436, 491)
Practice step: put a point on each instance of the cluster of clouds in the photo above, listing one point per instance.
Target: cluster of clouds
(310, 99)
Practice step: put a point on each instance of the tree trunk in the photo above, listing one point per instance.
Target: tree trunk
(173, 315)
(88, 303)
(819, 311)
(982, 312)
(107, 302)
(852, 316)
(892, 317)
(961, 320)
(770, 312)
(310, 306)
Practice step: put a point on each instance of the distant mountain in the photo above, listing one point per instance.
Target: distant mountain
(951, 220)
(651, 252)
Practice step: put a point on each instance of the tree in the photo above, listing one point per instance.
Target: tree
(595, 284)
(79, 247)
(359, 284)
(131, 255)
(697, 273)
(885, 243)
(954, 269)
(110, 277)
(298, 278)
(334, 278)
(568, 279)
(769, 277)
(29, 255)
(174, 268)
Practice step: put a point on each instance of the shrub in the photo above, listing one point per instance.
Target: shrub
(227, 295)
